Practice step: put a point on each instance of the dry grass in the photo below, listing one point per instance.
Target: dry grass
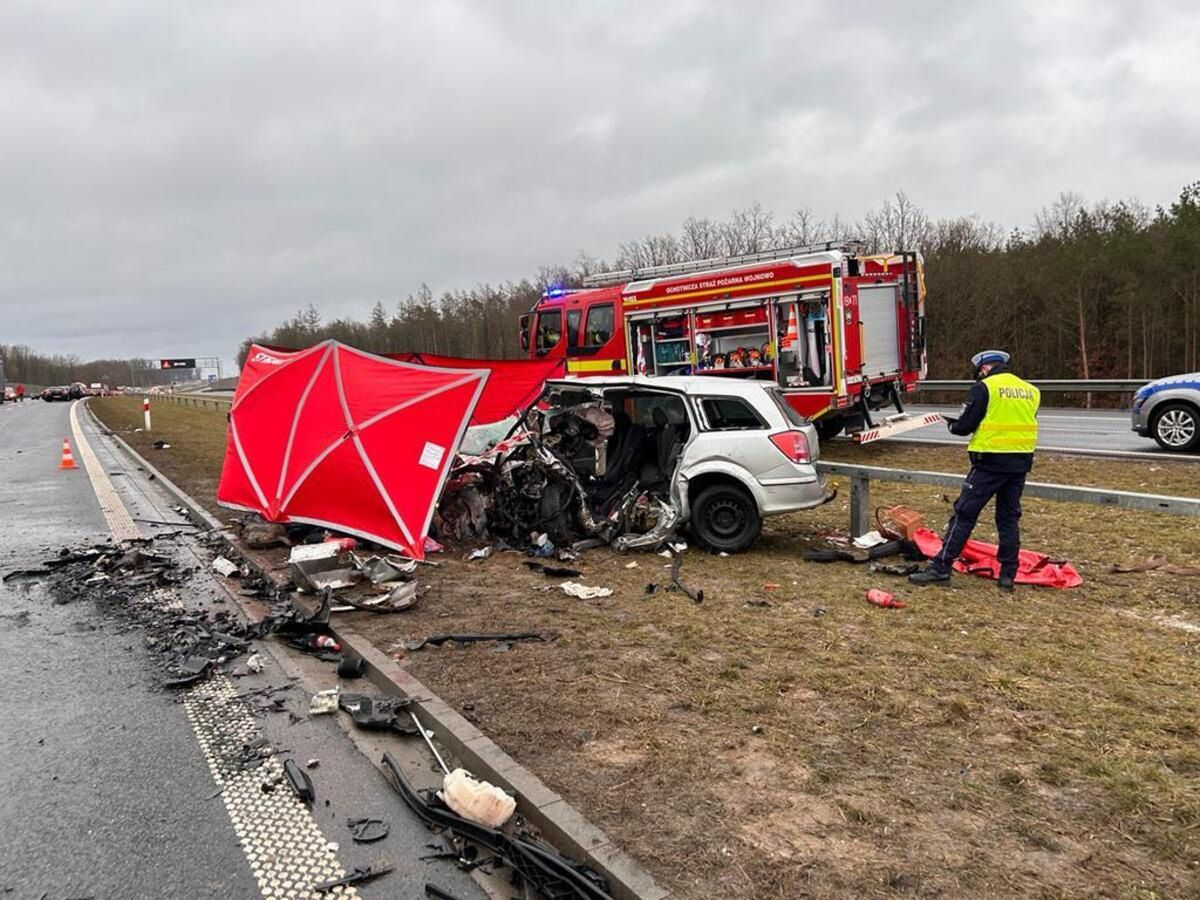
(1043, 744)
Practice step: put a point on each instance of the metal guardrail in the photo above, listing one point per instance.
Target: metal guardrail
(861, 477)
(197, 400)
(1071, 385)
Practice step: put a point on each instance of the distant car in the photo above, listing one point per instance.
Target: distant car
(61, 392)
(1168, 410)
(10, 395)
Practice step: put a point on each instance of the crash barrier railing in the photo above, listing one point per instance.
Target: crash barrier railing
(196, 400)
(1063, 385)
(861, 512)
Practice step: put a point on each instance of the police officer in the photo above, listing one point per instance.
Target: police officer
(1001, 416)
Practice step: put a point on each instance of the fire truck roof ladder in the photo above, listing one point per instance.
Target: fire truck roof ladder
(620, 276)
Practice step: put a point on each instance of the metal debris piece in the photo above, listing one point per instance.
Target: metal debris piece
(254, 663)
(359, 875)
(381, 570)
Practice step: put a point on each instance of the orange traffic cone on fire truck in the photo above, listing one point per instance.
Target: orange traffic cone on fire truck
(68, 460)
(793, 331)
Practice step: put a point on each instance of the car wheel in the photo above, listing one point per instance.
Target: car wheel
(725, 519)
(1176, 426)
(829, 427)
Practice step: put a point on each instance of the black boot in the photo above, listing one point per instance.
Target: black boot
(929, 575)
(1007, 583)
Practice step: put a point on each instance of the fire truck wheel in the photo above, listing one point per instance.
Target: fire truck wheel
(829, 428)
(1176, 426)
(725, 519)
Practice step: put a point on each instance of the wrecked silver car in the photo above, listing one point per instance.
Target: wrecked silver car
(630, 461)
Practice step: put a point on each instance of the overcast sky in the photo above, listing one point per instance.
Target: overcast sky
(174, 177)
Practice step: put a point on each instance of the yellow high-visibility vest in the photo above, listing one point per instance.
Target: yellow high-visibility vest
(1010, 424)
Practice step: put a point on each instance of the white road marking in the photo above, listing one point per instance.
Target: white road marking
(115, 514)
(281, 839)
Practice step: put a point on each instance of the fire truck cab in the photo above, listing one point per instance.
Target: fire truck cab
(842, 332)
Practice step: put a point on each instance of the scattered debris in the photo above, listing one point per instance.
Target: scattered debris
(351, 667)
(367, 831)
(477, 800)
(536, 864)
(884, 599)
(26, 573)
(380, 570)
(317, 566)
(869, 540)
(223, 566)
(481, 553)
(299, 781)
(324, 702)
(254, 663)
(378, 713)
(437, 893)
(676, 584)
(758, 602)
(631, 565)
(312, 764)
(583, 591)
(359, 875)
(161, 445)
(439, 639)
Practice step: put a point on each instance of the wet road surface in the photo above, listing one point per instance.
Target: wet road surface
(104, 790)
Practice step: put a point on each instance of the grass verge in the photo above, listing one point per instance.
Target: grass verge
(1045, 744)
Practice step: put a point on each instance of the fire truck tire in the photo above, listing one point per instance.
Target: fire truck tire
(1176, 427)
(725, 519)
(829, 427)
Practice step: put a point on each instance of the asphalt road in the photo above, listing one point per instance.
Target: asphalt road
(1099, 430)
(104, 791)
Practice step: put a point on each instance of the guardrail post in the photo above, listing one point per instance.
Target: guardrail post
(860, 505)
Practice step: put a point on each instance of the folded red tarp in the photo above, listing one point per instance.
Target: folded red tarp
(979, 558)
(515, 383)
(338, 437)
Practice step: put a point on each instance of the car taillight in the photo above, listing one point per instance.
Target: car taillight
(792, 444)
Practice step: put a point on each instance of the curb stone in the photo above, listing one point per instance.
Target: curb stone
(561, 824)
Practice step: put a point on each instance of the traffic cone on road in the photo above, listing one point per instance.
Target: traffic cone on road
(68, 461)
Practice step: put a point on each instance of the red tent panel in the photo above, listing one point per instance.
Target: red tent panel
(515, 383)
(339, 437)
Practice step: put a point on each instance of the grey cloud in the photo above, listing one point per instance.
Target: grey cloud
(177, 176)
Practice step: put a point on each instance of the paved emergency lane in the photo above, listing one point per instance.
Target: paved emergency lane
(1093, 430)
(105, 791)
(103, 788)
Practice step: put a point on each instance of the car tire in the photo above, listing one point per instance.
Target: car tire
(829, 427)
(1176, 427)
(725, 519)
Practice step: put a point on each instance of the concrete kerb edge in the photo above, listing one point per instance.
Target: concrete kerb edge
(561, 823)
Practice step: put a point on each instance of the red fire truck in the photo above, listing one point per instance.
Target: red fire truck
(840, 331)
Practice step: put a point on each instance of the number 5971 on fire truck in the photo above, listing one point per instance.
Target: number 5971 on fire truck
(840, 331)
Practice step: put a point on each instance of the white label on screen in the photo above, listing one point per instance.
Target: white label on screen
(431, 456)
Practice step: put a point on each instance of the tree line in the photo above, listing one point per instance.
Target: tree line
(1108, 290)
(24, 365)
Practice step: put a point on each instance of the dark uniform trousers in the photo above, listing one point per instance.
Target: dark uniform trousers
(981, 485)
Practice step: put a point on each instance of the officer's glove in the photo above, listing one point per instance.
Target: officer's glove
(950, 420)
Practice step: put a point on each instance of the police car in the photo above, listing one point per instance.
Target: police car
(1168, 410)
